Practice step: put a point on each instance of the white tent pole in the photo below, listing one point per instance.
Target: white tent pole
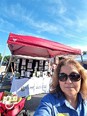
(3, 55)
(8, 66)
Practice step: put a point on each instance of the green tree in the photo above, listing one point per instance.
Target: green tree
(0, 57)
(6, 58)
(84, 52)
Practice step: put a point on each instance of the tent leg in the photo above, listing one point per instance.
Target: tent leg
(8, 66)
(82, 59)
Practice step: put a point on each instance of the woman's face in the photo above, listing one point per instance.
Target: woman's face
(69, 88)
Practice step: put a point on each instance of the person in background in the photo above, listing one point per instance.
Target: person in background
(68, 94)
(53, 67)
(49, 74)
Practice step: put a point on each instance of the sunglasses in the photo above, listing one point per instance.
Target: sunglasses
(72, 76)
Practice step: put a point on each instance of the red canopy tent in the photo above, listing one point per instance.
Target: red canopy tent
(38, 47)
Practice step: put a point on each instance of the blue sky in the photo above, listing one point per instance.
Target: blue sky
(63, 21)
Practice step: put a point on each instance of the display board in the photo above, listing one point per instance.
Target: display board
(31, 67)
(24, 86)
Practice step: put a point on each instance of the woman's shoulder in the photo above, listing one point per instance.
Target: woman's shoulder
(52, 98)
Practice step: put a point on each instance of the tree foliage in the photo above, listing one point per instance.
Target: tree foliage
(0, 57)
(84, 52)
(5, 60)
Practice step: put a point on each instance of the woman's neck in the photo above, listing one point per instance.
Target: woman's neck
(72, 101)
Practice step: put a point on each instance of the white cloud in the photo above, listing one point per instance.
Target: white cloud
(4, 31)
(81, 24)
(82, 47)
(62, 10)
(63, 7)
(57, 7)
(76, 38)
(62, 22)
(6, 26)
(14, 10)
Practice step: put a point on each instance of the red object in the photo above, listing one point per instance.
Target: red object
(11, 110)
(38, 47)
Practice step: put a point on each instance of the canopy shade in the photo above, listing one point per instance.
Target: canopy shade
(38, 47)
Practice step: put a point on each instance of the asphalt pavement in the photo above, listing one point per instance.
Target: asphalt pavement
(33, 103)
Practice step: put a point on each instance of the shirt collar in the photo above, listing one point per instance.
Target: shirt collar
(62, 100)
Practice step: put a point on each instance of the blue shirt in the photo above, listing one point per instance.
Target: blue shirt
(51, 105)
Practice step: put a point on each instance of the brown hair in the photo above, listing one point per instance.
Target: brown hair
(83, 72)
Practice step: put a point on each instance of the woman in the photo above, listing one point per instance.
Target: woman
(68, 95)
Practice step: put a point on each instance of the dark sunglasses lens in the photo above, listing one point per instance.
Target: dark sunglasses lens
(75, 77)
(62, 77)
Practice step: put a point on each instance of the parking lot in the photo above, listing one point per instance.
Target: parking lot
(33, 103)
